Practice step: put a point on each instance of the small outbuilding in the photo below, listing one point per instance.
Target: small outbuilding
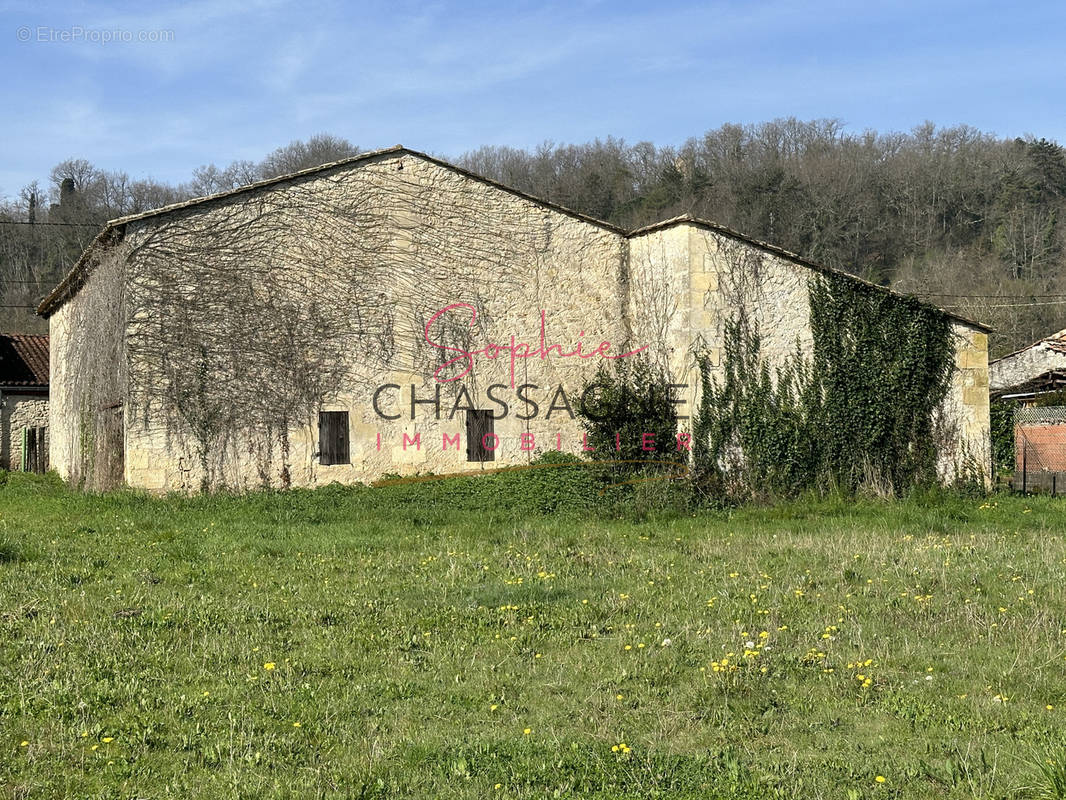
(1033, 371)
(1033, 380)
(23, 402)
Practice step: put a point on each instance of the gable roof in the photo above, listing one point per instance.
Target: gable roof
(23, 361)
(722, 230)
(114, 229)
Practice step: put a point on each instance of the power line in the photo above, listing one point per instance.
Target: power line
(53, 224)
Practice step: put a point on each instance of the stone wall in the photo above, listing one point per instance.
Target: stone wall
(687, 282)
(964, 420)
(422, 237)
(18, 411)
(87, 378)
(703, 278)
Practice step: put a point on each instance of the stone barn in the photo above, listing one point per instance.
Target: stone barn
(394, 314)
(24, 437)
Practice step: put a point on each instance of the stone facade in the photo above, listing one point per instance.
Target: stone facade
(689, 278)
(965, 417)
(232, 323)
(18, 411)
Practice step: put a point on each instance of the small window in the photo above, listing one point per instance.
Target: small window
(479, 432)
(333, 437)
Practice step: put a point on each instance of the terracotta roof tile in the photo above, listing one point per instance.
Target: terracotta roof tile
(23, 360)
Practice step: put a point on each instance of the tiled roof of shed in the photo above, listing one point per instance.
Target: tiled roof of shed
(23, 360)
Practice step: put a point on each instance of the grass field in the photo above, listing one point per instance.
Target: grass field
(409, 642)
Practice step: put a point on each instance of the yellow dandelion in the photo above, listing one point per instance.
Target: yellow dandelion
(527, 731)
(880, 779)
(269, 665)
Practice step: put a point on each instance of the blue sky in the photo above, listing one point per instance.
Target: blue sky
(238, 79)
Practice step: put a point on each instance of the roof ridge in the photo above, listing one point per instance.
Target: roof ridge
(1046, 340)
(247, 187)
(50, 302)
(796, 258)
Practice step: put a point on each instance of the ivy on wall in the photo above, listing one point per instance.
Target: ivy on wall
(1002, 431)
(859, 410)
(624, 408)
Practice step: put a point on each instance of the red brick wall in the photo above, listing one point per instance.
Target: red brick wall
(1045, 447)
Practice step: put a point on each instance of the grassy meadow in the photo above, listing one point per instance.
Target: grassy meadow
(469, 639)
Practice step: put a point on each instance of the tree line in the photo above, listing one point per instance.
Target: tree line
(961, 218)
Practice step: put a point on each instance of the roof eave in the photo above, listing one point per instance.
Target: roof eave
(69, 285)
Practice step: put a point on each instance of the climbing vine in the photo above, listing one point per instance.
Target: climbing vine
(630, 415)
(1002, 433)
(860, 410)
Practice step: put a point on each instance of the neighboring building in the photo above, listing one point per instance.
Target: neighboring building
(1034, 370)
(1034, 379)
(291, 332)
(23, 402)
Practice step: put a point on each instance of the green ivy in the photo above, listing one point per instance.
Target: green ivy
(622, 406)
(859, 409)
(1002, 419)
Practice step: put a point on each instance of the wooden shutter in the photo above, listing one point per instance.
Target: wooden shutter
(333, 438)
(478, 425)
(29, 449)
(37, 455)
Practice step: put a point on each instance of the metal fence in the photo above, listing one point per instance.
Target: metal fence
(1040, 450)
